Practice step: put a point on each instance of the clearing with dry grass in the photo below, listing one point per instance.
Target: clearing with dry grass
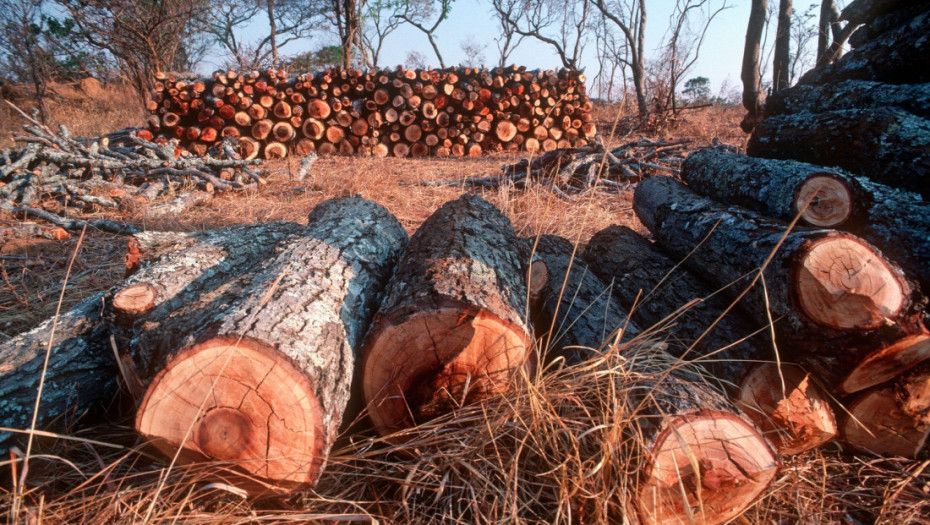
(559, 448)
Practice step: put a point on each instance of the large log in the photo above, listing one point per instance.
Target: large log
(896, 221)
(672, 300)
(830, 294)
(258, 375)
(887, 145)
(899, 56)
(864, 11)
(882, 23)
(451, 328)
(849, 94)
(878, 423)
(704, 461)
(579, 313)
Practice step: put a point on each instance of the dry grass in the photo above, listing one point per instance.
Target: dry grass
(561, 448)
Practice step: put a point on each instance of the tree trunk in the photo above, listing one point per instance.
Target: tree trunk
(889, 146)
(780, 75)
(827, 9)
(579, 313)
(263, 382)
(819, 285)
(450, 330)
(753, 96)
(674, 301)
(895, 221)
(704, 462)
(900, 56)
(850, 94)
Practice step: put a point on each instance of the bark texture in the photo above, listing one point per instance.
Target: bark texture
(578, 310)
(899, 56)
(667, 296)
(289, 341)
(850, 94)
(451, 327)
(728, 244)
(889, 146)
(864, 11)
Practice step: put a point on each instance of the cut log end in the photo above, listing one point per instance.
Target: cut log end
(886, 363)
(829, 201)
(876, 423)
(437, 360)
(718, 461)
(135, 299)
(241, 403)
(787, 406)
(842, 283)
(537, 278)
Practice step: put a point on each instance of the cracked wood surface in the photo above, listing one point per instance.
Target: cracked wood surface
(258, 374)
(451, 328)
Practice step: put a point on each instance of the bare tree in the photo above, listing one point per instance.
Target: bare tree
(753, 96)
(561, 24)
(417, 12)
(21, 50)
(380, 20)
(288, 20)
(612, 56)
(145, 37)
(508, 39)
(474, 52)
(805, 32)
(830, 27)
(629, 17)
(346, 18)
(780, 67)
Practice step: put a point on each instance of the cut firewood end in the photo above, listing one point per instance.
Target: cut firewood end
(135, 299)
(876, 423)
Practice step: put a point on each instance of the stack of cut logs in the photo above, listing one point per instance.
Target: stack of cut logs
(846, 153)
(404, 112)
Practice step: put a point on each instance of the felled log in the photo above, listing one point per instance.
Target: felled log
(899, 56)
(864, 11)
(877, 25)
(704, 461)
(262, 384)
(450, 330)
(878, 422)
(887, 145)
(849, 94)
(829, 294)
(895, 221)
(579, 313)
(702, 326)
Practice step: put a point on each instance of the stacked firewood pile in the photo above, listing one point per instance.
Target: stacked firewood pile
(846, 154)
(404, 112)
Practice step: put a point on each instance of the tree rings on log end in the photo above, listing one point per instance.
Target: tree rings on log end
(241, 403)
(135, 299)
(876, 423)
(436, 360)
(787, 407)
(843, 283)
(830, 201)
(886, 363)
(734, 466)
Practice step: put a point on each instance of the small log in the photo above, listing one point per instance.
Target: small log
(577, 316)
(704, 461)
(820, 285)
(450, 330)
(505, 131)
(889, 146)
(262, 384)
(275, 150)
(877, 423)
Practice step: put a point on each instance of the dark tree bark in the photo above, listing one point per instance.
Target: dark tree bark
(579, 312)
(780, 75)
(881, 24)
(807, 287)
(850, 94)
(753, 96)
(896, 221)
(889, 146)
(899, 56)
(451, 328)
(263, 383)
(828, 16)
(864, 11)
(674, 301)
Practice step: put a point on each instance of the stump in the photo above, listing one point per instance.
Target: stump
(262, 383)
(451, 328)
